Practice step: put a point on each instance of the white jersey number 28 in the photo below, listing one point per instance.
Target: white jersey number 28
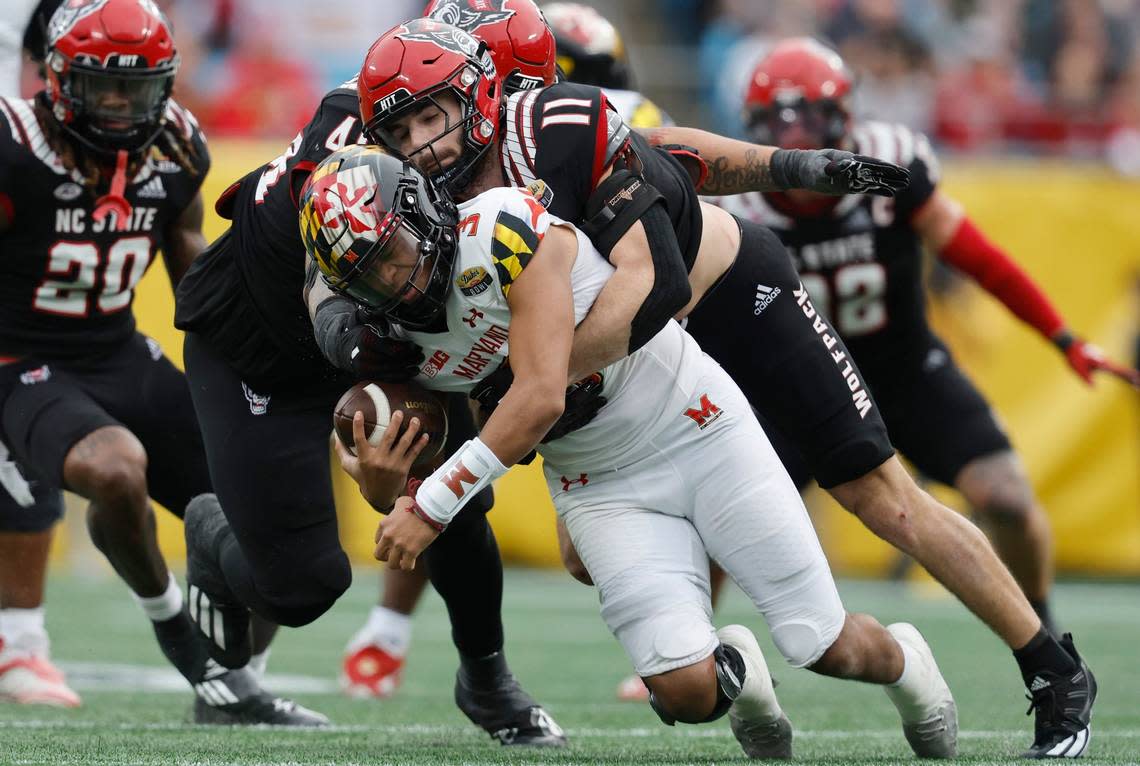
(853, 298)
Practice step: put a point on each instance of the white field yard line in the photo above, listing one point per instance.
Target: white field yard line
(111, 676)
(589, 733)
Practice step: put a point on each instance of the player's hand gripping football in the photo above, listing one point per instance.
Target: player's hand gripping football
(403, 535)
(1085, 359)
(381, 471)
(834, 171)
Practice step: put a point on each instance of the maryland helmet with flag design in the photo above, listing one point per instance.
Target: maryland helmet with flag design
(521, 43)
(409, 67)
(590, 50)
(380, 233)
(110, 69)
(797, 97)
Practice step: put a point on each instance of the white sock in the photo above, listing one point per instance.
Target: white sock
(23, 630)
(162, 608)
(257, 664)
(392, 630)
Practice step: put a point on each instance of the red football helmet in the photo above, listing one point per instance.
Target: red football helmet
(521, 43)
(590, 50)
(409, 67)
(110, 69)
(797, 97)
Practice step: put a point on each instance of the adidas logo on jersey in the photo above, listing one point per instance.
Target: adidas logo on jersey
(764, 297)
(153, 189)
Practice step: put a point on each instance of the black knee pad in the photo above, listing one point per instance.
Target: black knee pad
(729, 667)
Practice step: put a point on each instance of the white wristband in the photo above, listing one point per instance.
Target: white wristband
(470, 469)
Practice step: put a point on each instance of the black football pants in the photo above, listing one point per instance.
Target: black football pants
(268, 454)
(759, 324)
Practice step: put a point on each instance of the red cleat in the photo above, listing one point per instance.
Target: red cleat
(370, 671)
(31, 679)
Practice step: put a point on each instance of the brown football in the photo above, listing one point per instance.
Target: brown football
(378, 401)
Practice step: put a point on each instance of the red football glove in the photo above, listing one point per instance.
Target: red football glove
(1085, 359)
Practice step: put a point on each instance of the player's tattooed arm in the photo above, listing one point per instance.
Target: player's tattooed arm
(184, 241)
(734, 167)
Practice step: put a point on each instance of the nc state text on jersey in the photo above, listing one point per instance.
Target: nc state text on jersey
(74, 221)
(817, 256)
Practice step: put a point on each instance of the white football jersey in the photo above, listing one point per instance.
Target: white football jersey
(499, 232)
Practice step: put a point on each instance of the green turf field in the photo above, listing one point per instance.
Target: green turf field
(134, 713)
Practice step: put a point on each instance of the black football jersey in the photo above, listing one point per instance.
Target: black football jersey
(861, 262)
(567, 135)
(67, 280)
(267, 248)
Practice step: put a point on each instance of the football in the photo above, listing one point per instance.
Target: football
(379, 401)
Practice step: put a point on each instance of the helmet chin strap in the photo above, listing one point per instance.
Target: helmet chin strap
(114, 201)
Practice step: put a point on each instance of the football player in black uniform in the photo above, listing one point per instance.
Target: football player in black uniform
(860, 261)
(523, 49)
(27, 674)
(265, 394)
(97, 174)
(631, 199)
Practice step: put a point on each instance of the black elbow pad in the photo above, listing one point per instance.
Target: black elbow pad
(671, 291)
(618, 203)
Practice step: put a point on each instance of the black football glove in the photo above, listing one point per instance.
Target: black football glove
(583, 400)
(375, 355)
(834, 171)
(492, 388)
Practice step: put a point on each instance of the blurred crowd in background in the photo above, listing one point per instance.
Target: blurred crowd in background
(1058, 77)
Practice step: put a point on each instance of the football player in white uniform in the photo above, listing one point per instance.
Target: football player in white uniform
(673, 469)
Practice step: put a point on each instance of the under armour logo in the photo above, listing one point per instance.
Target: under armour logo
(473, 314)
(568, 483)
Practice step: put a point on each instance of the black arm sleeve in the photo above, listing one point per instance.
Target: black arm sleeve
(670, 292)
(333, 319)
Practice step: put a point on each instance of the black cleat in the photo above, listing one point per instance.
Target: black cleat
(220, 617)
(506, 712)
(1063, 708)
(235, 698)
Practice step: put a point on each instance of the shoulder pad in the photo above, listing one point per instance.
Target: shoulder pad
(520, 224)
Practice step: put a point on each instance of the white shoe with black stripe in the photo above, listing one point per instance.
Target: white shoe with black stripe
(234, 698)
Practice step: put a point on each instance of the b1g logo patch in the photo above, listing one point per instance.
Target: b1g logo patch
(474, 281)
(433, 365)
